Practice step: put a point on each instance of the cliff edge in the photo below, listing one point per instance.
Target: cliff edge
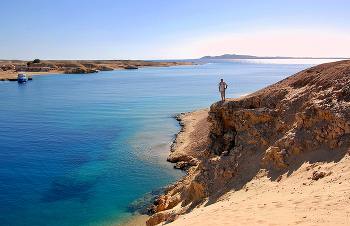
(296, 124)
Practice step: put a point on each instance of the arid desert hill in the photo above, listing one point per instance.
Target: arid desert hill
(8, 68)
(279, 156)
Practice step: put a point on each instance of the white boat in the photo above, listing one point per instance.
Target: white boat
(22, 78)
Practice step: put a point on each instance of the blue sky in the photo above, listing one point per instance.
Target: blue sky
(167, 29)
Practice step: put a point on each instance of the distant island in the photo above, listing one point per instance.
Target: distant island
(234, 56)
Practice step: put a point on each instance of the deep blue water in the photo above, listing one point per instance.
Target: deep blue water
(77, 149)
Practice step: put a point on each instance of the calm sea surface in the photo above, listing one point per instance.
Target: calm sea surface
(77, 149)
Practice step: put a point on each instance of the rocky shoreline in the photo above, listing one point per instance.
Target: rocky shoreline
(265, 153)
(8, 67)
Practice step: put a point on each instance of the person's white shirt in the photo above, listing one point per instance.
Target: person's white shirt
(222, 86)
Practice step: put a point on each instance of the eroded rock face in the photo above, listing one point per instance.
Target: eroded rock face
(302, 118)
(300, 113)
(80, 70)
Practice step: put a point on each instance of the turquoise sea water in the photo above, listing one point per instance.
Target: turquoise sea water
(77, 149)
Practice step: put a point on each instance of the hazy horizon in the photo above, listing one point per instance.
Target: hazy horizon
(160, 30)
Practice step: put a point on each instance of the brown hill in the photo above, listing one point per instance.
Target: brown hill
(78, 66)
(294, 134)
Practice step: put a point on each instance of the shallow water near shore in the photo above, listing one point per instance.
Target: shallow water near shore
(77, 149)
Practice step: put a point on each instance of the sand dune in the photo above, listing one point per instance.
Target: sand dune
(296, 199)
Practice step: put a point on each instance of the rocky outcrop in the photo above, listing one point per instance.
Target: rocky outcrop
(130, 67)
(303, 118)
(298, 114)
(192, 140)
(79, 71)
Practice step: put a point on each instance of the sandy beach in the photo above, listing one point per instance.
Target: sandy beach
(4, 75)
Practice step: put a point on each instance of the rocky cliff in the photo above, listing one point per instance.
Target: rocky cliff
(303, 118)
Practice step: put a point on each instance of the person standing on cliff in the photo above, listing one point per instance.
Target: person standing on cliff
(222, 87)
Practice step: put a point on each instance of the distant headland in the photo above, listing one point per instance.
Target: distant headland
(9, 68)
(234, 56)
